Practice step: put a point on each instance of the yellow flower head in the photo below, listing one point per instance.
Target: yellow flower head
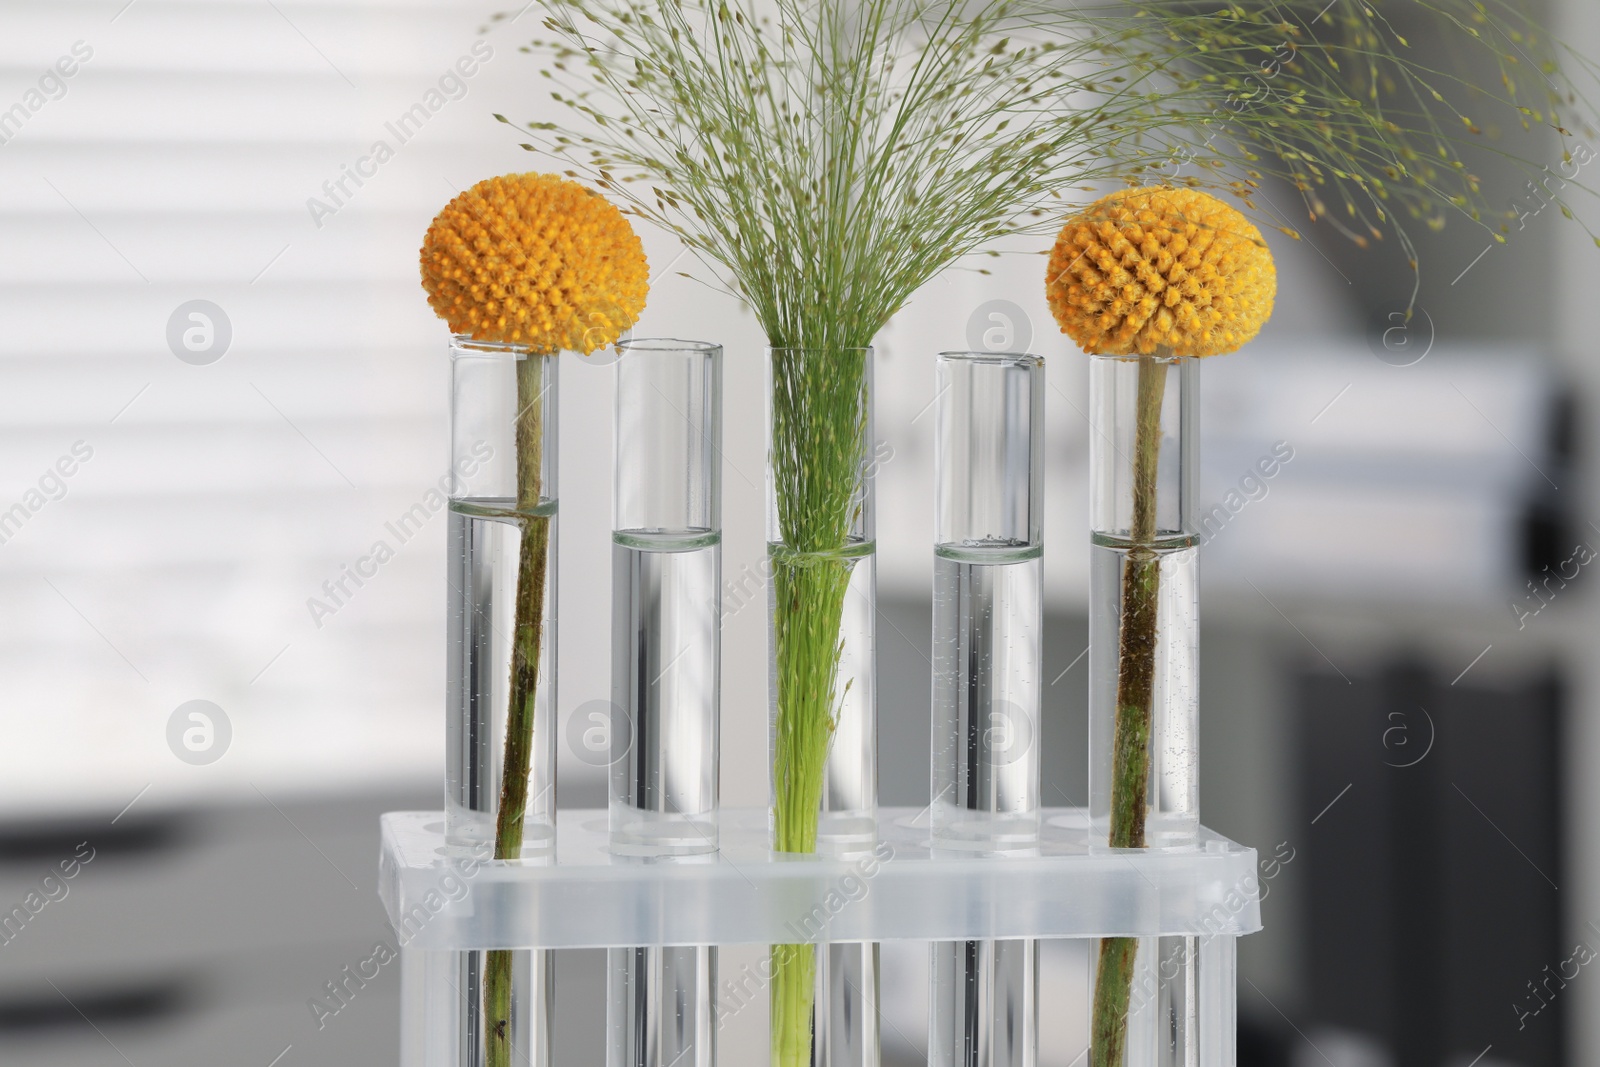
(1146, 269)
(536, 260)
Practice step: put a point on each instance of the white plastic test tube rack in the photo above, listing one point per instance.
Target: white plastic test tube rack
(1199, 897)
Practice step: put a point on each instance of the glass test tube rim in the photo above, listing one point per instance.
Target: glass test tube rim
(1025, 359)
(643, 345)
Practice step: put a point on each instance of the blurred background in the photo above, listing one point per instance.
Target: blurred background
(223, 385)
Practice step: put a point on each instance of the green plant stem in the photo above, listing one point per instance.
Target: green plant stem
(533, 561)
(1136, 652)
(497, 1009)
(793, 989)
(1136, 664)
(1113, 982)
(808, 598)
(818, 426)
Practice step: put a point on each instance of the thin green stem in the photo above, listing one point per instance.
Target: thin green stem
(533, 561)
(1136, 653)
(1136, 665)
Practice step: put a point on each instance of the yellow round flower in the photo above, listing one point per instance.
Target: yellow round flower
(1149, 269)
(537, 260)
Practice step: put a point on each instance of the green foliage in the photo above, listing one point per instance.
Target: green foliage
(827, 158)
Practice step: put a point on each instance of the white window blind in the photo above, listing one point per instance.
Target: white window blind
(169, 526)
